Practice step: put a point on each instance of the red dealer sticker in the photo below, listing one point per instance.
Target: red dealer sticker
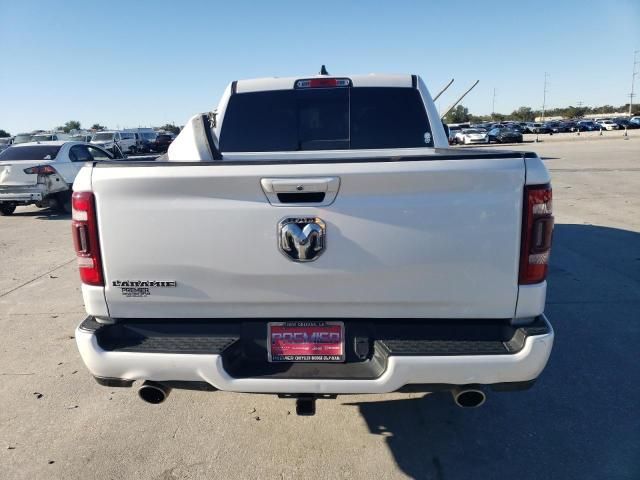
(306, 341)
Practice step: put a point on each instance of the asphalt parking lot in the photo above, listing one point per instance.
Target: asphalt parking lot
(579, 421)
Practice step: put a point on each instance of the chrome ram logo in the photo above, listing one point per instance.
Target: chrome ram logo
(301, 239)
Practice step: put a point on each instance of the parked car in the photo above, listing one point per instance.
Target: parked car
(147, 141)
(109, 139)
(22, 138)
(272, 254)
(515, 127)
(81, 137)
(138, 140)
(145, 137)
(4, 143)
(635, 121)
(608, 125)
(129, 142)
(557, 127)
(453, 131)
(455, 125)
(468, 136)
(624, 122)
(41, 173)
(50, 137)
(539, 128)
(504, 135)
(586, 126)
(163, 140)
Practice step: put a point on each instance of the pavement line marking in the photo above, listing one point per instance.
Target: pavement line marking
(36, 278)
(45, 313)
(611, 169)
(595, 302)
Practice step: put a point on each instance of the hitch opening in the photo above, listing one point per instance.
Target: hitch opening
(306, 406)
(306, 402)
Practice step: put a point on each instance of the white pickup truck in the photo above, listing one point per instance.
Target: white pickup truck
(311, 237)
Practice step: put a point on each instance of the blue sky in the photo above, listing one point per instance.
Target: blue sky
(127, 64)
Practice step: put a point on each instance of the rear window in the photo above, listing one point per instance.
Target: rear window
(103, 136)
(22, 139)
(325, 119)
(36, 152)
(42, 138)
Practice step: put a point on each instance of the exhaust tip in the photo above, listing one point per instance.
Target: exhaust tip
(471, 398)
(154, 393)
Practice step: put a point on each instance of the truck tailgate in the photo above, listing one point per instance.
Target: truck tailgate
(430, 238)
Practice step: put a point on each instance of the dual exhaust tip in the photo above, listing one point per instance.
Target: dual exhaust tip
(468, 397)
(155, 393)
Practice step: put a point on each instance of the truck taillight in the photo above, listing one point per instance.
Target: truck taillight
(84, 228)
(537, 230)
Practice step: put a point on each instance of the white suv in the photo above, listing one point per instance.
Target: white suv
(109, 139)
(608, 125)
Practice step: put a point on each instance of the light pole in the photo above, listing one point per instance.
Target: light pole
(633, 80)
(493, 105)
(544, 95)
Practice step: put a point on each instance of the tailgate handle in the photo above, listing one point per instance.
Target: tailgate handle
(301, 197)
(301, 191)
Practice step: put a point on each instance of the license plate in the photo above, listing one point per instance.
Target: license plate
(306, 341)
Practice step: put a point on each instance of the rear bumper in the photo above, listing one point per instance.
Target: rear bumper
(22, 194)
(232, 356)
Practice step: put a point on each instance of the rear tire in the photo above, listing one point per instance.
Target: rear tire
(6, 209)
(64, 202)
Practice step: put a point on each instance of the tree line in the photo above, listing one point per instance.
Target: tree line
(96, 127)
(461, 114)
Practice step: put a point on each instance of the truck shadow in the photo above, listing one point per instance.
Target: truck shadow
(580, 420)
(44, 214)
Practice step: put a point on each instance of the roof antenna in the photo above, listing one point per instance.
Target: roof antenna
(323, 70)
